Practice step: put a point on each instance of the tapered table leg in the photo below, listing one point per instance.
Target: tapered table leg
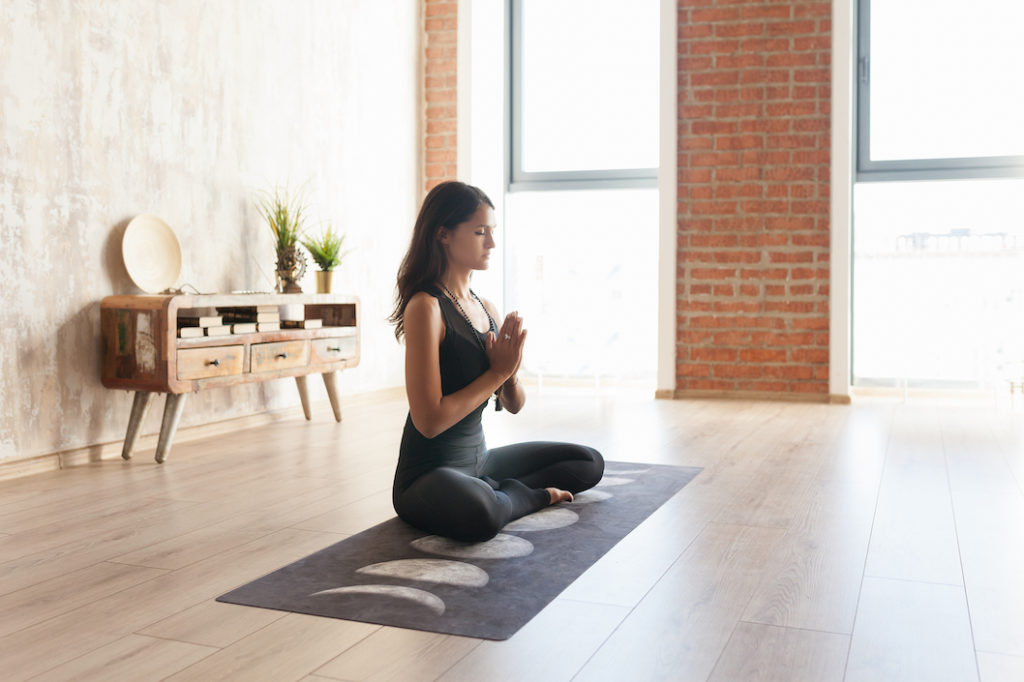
(140, 405)
(300, 381)
(172, 415)
(331, 382)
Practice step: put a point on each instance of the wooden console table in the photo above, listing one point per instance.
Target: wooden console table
(142, 351)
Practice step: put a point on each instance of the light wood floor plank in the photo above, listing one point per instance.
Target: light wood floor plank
(213, 623)
(914, 535)
(781, 483)
(355, 516)
(37, 648)
(813, 578)
(765, 653)
(681, 627)
(247, 522)
(20, 609)
(552, 646)
(911, 631)
(412, 656)
(129, 658)
(287, 649)
(991, 540)
(988, 508)
(1000, 667)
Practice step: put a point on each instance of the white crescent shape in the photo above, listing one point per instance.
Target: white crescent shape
(430, 571)
(609, 481)
(501, 546)
(588, 496)
(545, 519)
(422, 597)
(626, 472)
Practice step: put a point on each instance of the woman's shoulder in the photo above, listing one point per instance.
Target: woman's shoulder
(423, 301)
(423, 313)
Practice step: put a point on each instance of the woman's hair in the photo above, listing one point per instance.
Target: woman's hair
(447, 205)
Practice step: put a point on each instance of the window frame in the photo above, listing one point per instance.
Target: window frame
(870, 170)
(520, 180)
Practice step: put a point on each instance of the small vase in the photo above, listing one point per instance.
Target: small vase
(324, 281)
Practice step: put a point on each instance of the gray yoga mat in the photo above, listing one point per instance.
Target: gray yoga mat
(393, 574)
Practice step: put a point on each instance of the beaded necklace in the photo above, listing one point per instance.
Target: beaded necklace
(476, 334)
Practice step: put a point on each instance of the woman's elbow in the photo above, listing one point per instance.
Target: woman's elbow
(428, 428)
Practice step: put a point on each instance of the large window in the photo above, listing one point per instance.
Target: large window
(938, 238)
(585, 83)
(940, 89)
(581, 213)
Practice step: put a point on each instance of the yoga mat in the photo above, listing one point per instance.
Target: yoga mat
(394, 574)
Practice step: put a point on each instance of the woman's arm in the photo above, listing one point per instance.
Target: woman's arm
(512, 395)
(431, 412)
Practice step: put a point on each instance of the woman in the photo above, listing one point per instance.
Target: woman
(447, 482)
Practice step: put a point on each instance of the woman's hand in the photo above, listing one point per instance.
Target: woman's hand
(505, 351)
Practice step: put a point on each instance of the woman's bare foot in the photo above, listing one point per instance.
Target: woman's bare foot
(559, 495)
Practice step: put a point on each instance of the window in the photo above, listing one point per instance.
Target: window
(940, 89)
(581, 212)
(938, 239)
(584, 95)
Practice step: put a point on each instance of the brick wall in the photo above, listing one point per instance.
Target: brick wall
(440, 20)
(753, 196)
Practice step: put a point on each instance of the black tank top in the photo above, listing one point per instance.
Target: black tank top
(462, 359)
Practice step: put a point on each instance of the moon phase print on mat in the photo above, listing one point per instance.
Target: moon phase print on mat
(546, 519)
(430, 571)
(501, 546)
(625, 472)
(610, 481)
(409, 594)
(590, 496)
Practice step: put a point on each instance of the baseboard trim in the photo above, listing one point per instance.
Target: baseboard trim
(146, 444)
(752, 395)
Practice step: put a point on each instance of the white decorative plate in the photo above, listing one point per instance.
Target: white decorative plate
(152, 254)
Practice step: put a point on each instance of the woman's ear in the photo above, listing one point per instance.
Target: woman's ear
(442, 235)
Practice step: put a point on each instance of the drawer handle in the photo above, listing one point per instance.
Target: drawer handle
(334, 349)
(281, 356)
(215, 362)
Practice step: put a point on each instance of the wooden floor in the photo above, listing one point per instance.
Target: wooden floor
(877, 541)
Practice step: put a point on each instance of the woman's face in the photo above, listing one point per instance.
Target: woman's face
(469, 245)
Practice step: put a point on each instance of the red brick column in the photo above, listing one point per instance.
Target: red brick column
(440, 19)
(753, 194)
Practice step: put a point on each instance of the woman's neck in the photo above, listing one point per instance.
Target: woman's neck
(457, 282)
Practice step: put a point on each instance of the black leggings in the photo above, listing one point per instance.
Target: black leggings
(510, 482)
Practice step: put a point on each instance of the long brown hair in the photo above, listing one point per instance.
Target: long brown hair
(425, 263)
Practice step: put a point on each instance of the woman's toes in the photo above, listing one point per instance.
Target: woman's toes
(558, 495)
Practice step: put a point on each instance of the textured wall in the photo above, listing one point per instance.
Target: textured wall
(183, 109)
(753, 189)
(440, 24)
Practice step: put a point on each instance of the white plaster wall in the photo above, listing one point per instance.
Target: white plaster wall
(184, 109)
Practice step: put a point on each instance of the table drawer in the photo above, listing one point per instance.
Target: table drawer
(333, 349)
(269, 357)
(200, 363)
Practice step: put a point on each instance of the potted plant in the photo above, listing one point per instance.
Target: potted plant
(326, 252)
(286, 216)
